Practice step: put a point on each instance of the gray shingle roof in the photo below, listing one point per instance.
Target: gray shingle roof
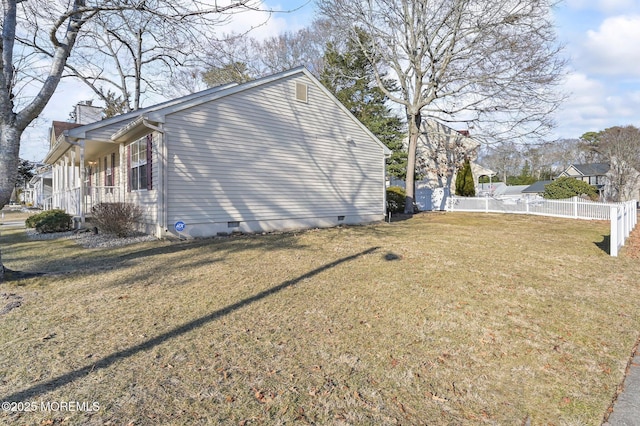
(536, 187)
(593, 169)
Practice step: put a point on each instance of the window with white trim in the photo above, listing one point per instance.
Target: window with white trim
(138, 164)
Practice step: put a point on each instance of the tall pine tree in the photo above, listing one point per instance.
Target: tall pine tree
(349, 76)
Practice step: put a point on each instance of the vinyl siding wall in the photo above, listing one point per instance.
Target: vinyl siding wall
(146, 199)
(268, 161)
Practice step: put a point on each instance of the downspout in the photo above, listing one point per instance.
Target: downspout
(162, 168)
(82, 176)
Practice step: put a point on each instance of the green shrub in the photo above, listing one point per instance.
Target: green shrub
(465, 186)
(116, 218)
(396, 198)
(567, 187)
(50, 221)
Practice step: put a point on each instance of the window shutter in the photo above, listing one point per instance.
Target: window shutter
(149, 162)
(129, 168)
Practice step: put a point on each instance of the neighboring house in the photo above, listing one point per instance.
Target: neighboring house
(42, 187)
(489, 189)
(478, 171)
(536, 188)
(510, 192)
(440, 151)
(276, 153)
(594, 174)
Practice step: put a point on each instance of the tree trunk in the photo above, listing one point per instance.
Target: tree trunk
(414, 120)
(9, 159)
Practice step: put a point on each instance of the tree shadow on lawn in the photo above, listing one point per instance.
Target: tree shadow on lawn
(109, 360)
(81, 259)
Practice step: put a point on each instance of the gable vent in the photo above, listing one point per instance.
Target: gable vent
(301, 92)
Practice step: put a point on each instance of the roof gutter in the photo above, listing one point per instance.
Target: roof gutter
(151, 126)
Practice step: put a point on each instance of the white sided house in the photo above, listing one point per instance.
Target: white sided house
(440, 152)
(276, 153)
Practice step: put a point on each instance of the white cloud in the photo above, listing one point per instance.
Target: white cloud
(613, 48)
(594, 105)
(259, 25)
(269, 20)
(604, 6)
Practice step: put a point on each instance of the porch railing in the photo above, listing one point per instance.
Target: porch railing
(70, 200)
(102, 194)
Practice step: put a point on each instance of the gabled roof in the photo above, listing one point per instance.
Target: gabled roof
(536, 187)
(509, 190)
(479, 170)
(156, 113)
(593, 169)
(60, 126)
(132, 115)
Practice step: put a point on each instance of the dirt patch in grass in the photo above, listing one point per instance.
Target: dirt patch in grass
(437, 319)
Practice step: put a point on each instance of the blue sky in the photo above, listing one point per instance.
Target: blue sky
(601, 39)
(602, 43)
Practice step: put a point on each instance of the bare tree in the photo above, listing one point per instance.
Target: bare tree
(292, 49)
(304, 47)
(38, 37)
(491, 63)
(131, 51)
(504, 158)
(621, 146)
(549, 159)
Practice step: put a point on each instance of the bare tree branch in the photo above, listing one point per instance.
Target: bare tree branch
(493, 65)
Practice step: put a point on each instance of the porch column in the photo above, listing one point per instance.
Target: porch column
(123, 174)
(83, 174)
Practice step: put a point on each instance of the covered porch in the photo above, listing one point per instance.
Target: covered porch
(84, 173)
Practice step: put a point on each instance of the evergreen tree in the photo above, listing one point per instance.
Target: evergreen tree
(464, 181)
(26, 170)
(114, 104)
(234, 72)
(350, 77)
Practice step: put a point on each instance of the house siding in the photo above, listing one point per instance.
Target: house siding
(297, 164)
(146, 199)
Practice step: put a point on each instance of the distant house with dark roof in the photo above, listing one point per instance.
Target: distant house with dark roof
(536, 187)
(594, 174)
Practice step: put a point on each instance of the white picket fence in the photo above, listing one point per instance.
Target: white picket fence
(623, 216)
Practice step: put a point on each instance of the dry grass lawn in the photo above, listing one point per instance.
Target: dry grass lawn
(442, 319)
